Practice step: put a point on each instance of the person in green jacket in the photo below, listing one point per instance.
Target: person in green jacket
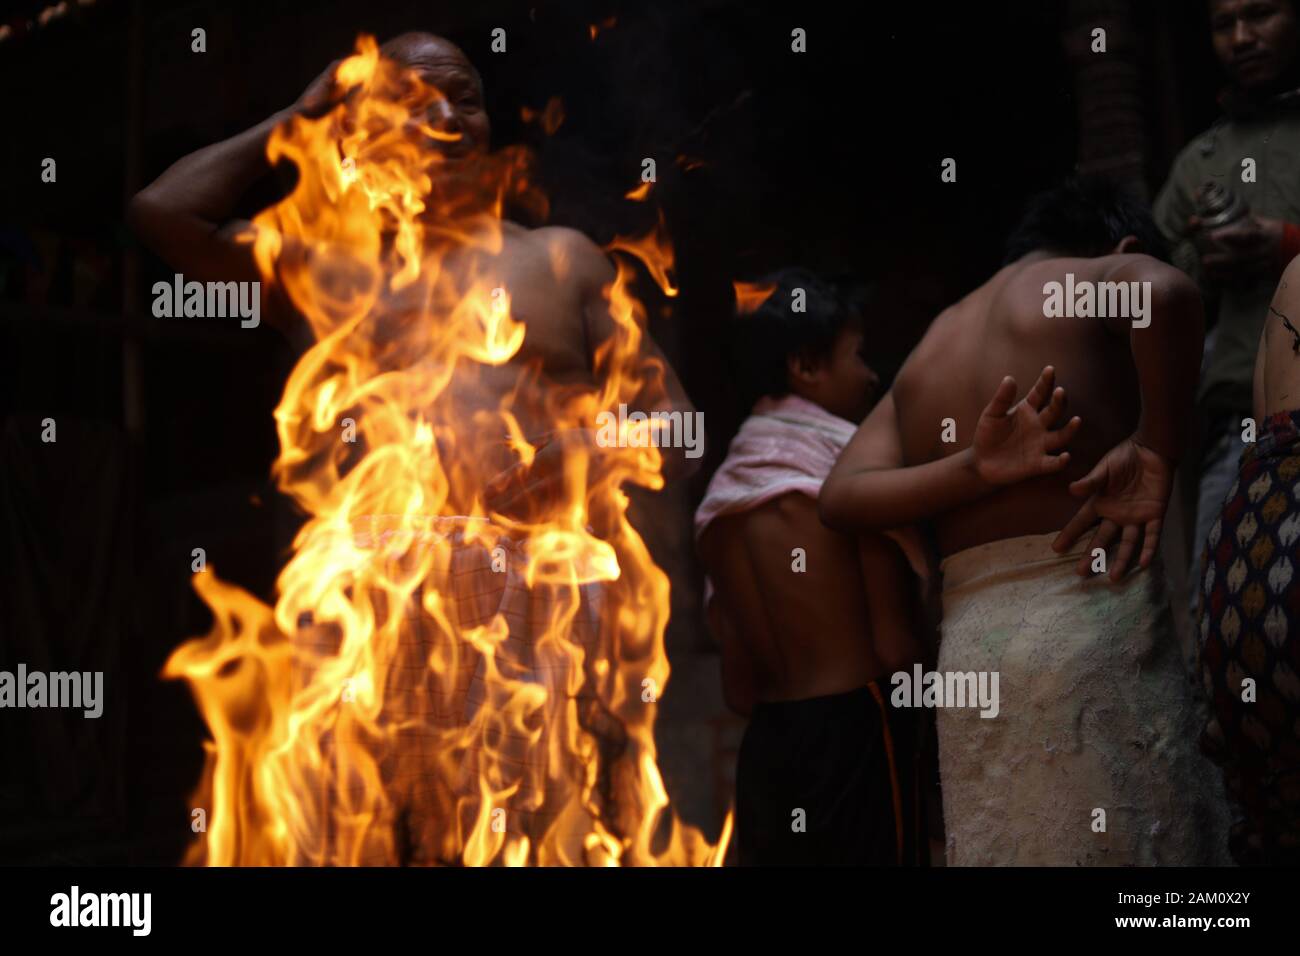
(1252, 153)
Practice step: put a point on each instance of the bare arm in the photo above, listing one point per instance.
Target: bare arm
(185, 215)
(1167, 356)
(869, 489)
(1128, 491)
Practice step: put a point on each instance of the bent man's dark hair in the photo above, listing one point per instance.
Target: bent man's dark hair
(1085, 217)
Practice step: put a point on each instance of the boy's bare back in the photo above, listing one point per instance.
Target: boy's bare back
(811, 632)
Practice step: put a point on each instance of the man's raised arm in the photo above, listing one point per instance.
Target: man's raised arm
(186, 215)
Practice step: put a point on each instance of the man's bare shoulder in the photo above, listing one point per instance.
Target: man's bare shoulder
(936, 345)
(565, 236)
(1028, 283)
(1166, 281)
(572, 255)
(1139, 267)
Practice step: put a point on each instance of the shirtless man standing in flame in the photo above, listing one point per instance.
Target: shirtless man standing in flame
(557, 280)
(555, 275)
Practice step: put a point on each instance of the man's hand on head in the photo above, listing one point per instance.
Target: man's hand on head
(1128, 491)
(321, 95)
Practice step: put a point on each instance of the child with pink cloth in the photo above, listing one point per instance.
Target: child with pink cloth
(810, 621)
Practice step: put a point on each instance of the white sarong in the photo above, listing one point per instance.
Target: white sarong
(1092, 759)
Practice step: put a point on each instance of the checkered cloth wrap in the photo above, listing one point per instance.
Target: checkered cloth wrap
(1249, 622)
(422, 710)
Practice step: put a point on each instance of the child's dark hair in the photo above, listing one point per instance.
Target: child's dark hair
(761, 342)
(1085, 217)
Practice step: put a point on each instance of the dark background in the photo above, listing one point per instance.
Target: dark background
(829, 159)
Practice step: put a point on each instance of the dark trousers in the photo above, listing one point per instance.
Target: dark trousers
(830, 781)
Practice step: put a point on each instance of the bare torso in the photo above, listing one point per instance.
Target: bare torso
(1000, 329)
(553, 278)
(817, 631)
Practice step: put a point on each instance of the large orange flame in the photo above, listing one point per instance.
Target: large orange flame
(438, 682)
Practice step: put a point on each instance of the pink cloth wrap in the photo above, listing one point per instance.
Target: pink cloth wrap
(785, 445)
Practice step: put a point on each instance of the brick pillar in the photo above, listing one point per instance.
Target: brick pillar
(1107, 87)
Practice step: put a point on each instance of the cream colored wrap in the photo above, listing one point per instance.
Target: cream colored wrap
(1097, 713)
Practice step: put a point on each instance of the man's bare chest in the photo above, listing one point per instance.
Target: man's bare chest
(465, 302)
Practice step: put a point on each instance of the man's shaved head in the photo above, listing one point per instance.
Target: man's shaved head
(417, 49)
(445, 67)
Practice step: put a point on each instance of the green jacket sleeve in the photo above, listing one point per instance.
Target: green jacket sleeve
(1174, 206)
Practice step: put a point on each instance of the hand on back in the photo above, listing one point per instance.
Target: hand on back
(1128, 492)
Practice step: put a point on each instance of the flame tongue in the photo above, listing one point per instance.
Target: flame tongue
(437, 682)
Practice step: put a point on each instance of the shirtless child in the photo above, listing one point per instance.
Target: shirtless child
(1091, 758)
(802, 642)
(1249, 596)
(811, 622)
(555, 278)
